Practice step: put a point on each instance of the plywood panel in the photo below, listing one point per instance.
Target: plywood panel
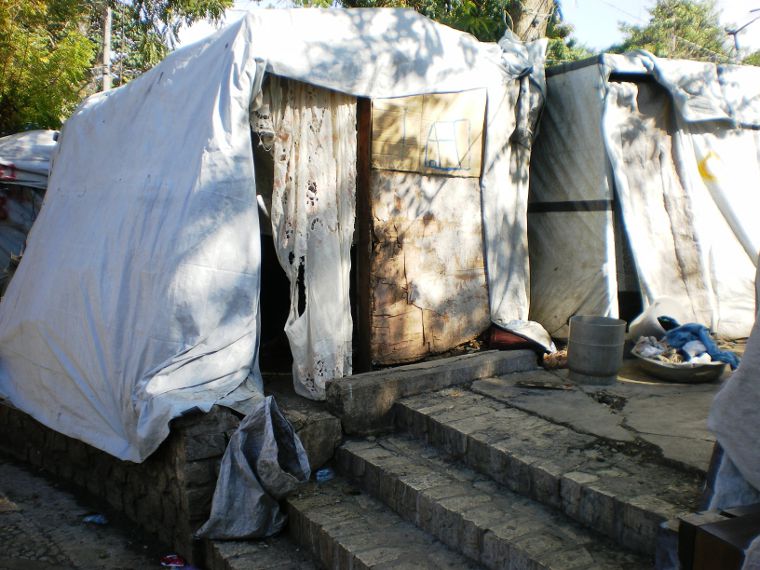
(430, 134)
(427, 276)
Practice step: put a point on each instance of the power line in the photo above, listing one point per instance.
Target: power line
(613, 6)
(717, 55)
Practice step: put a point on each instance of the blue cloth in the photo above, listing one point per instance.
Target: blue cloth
(692, 331)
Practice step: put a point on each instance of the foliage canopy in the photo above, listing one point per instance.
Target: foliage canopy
(144, 31)
(48, 50)
(44, 60)
(685, 29)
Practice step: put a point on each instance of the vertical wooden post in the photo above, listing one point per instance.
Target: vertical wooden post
(363, 356)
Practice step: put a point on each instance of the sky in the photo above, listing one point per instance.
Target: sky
(595, 22)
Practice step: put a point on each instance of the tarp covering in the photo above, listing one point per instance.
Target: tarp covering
(572, 254)
(138, 295)
(25, 158)
(24, 165)
(678, 143)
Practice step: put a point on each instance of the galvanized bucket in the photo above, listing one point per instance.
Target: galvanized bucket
(595, 349)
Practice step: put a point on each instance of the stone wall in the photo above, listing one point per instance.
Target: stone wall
(168, 495)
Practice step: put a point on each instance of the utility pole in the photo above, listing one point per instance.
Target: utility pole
(106, 77)
(735, 34)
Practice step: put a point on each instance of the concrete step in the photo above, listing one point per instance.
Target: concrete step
(277, 553)
(471, 513)
(346, 529)
(606, 486)
(363, 402)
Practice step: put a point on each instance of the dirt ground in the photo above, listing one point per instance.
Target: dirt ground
(42, 527)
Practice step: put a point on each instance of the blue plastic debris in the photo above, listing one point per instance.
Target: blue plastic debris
(95, 519)
(324, 475)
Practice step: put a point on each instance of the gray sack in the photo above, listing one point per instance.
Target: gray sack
(263, 462)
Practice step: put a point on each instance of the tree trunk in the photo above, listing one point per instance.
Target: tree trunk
(106, 48)
(530, 17)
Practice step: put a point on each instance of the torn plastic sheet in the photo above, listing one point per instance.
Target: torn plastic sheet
(263, 462)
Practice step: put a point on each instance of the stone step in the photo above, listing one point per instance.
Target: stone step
(346, 529)
(277, 553)
(473, 514)
(364, 402)
(606, 486)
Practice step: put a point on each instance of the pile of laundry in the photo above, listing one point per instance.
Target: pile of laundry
(689, 344)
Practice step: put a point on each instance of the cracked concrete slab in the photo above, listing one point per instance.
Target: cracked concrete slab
(671, 417)
(573, 407)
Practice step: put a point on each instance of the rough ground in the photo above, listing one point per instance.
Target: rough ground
(41, 527)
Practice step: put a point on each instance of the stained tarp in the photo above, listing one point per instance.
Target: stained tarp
(673, 146)
(137, 298)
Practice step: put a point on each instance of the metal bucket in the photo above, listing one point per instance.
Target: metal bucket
(595, 349)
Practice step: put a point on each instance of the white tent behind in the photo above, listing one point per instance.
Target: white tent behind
(674, 148)
(24, 166)
(25, 158)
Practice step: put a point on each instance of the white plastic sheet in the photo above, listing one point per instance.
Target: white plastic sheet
(25, 158)
(137, 298)
(684, 178)
(656, 208)
(24, 166)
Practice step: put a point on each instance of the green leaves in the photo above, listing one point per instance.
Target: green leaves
(688, 29)
(144, 31)
(484, 19)
(48, 50)
(44, 61)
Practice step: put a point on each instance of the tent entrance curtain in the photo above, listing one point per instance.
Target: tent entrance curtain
(677, 192)
(654, 201)
(313, 143)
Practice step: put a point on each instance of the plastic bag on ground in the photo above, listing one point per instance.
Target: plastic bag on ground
(264, 461)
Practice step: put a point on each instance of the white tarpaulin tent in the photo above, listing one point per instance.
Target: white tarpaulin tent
(138, 295)
(674, 148)
(25, 158)
(24, 166)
